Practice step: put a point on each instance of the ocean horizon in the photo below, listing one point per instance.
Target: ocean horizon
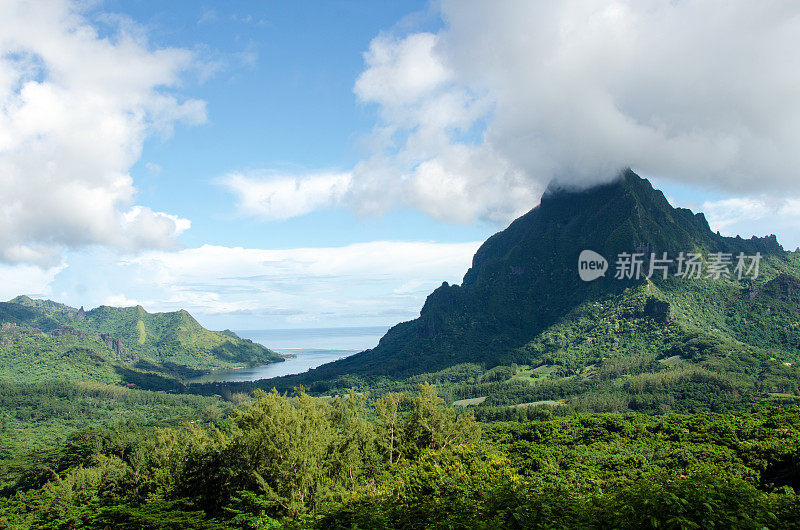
(310, 347)
(332, 338)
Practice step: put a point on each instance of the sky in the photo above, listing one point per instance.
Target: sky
(295, 164)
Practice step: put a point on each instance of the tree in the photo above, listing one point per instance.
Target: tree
(281, 449)
(389, 425)
(432, 425)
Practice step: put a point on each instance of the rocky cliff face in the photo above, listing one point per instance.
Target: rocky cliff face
(116, 346)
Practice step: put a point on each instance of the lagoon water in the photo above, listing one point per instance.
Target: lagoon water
(311, 347)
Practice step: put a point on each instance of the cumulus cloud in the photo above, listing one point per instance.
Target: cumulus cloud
(147, 229)
(690, 90)
(75, 109)
(427, 153)
(401, 71)
(475, 119)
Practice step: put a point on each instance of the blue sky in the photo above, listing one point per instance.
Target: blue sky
(323, 164)
(282, 101)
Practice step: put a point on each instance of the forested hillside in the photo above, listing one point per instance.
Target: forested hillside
(524, 328)
(41, 340)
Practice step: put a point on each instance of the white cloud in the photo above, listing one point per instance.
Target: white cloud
(425, 151)
(366, 283)
(281, 197)
(476, 119)
(75, 109)
(120, 300)
(701, 91)
(29, 279)
(149, 229)
(401, 71)
(746, 216)
(374, 283)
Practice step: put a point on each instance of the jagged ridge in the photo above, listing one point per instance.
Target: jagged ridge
(524, 279)
(43, 339)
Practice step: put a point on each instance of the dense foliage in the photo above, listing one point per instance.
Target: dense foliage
(36, 417)
(41, 340)
(657, 403)
(410, 461)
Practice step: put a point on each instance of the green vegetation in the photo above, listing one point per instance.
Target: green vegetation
(711, 346)
(663, 403)
(524, 280)
(36, 417)
(409, 461)
(523, 328)
(41, 340)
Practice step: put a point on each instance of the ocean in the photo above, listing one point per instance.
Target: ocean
(311, 347)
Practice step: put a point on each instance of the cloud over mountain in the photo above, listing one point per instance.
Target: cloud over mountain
(702, 91)
(474, 119)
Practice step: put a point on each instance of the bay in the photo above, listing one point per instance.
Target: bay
(311, 347)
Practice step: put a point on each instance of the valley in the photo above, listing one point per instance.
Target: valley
(523, 397)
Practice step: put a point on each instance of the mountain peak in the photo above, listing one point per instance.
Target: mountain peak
(624, 178)
(524, 278)
(625, 184)
(27, 301)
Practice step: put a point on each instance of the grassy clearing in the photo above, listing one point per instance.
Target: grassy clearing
(527, 373)
(468, 402)
(547, 402)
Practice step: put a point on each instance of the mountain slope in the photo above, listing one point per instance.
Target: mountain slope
(524, 279)
(42, 339)
(524, 328)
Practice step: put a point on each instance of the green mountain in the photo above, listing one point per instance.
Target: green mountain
(42, 340)
(523, 306)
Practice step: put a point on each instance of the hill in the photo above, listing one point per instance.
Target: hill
(523, 326)
(43, 340)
